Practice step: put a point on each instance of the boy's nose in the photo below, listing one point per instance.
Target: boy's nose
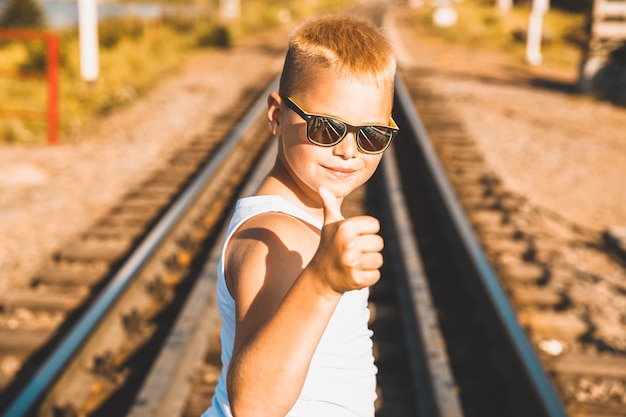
(347, 147)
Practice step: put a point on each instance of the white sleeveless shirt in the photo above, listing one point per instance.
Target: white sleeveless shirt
(341, 380)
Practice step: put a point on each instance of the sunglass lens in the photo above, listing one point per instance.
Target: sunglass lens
(374, 138)
(325, 131)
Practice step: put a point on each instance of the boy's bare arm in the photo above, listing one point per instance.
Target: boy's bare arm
(283, 308)
(276, 335)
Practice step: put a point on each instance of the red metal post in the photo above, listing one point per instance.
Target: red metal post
(52, 75)
(53, 88)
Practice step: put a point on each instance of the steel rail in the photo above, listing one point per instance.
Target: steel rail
(431, 371)
(543, 392)
(165, 390)
(49, 370)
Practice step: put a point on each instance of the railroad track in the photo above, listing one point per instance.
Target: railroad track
(566, 283)
(84, 331)
(440, 352)
(447, 341)
(495, 366)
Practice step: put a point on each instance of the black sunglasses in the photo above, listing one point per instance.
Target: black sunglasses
(328, 131)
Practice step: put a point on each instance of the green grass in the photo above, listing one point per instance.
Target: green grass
(481, 26)
(134, 57)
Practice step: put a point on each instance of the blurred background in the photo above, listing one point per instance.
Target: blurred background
(142, 41)
(139, 43)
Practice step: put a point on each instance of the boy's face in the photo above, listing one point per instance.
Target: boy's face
(341, 167)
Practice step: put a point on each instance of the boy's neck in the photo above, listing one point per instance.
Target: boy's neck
(280, 182)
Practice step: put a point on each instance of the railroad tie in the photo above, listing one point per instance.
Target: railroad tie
(22, 341)
(41, 300)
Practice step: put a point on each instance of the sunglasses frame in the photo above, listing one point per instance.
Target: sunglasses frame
(309, 117)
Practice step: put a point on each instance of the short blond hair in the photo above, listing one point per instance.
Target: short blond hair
(351, 47)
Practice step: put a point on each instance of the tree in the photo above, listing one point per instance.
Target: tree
(22, 14)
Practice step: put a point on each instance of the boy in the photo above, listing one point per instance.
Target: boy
(294, 275)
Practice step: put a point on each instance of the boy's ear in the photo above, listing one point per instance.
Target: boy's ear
(273, 113)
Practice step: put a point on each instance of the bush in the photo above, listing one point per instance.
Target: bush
(23, 14)
(8, 135)
(36, 57)
(573, 6)
(180, 24)
(111, 31)
(215, 36)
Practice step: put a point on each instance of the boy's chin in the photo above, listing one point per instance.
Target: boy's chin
(340, 190)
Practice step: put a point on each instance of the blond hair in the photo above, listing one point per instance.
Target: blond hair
(350, 47)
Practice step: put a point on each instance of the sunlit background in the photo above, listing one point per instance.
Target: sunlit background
(140, 42)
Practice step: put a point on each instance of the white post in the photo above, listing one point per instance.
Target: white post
(88, 34)
(230, 9)
(533, 37)
(445, 14)
(504, 6)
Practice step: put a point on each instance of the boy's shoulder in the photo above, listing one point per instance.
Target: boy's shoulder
(272, 228)
(270, 241)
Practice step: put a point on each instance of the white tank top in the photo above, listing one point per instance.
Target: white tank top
(341, 381)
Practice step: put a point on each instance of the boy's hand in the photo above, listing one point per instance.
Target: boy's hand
(332, 211)
(348, 256)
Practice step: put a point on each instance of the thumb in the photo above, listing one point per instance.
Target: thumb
(332, 211)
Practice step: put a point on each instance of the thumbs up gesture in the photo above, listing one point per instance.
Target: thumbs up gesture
(348, 256)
